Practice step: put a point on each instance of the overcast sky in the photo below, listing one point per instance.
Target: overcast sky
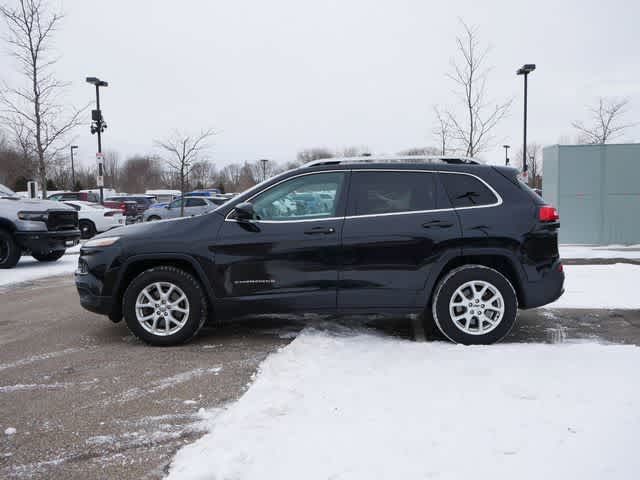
(273, 77)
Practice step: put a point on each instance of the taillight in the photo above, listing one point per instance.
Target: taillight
(547, 213)
(123, 207)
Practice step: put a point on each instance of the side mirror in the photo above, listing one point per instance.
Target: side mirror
(244, 211)
(167, 207)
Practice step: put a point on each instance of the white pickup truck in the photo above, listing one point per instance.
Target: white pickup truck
(40, 228)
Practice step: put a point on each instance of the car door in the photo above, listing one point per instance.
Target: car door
(173, 209)
(398, 223)
(194, 206)
(286, 257)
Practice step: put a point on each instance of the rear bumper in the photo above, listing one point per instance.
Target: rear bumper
(544, 291)
(47, 241)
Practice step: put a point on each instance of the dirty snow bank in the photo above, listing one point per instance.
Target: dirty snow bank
(362, 406)
(600, 286)
(599, 252)
(29, 269)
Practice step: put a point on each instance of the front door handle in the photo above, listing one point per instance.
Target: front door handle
(437, 224)
(325, 230)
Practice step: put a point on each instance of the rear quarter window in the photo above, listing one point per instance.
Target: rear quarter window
(467, 191)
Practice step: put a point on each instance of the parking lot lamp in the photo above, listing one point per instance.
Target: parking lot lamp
(98, 126)
(525, 70)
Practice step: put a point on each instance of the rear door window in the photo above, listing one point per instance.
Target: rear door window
(195, 202)
(384, 192)
(467, 191)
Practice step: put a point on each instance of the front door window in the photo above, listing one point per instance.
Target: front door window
(307, 197)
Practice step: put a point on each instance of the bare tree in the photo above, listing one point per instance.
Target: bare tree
(34, 112)
(473, 128)
(442, 130)
(534, 164)
(202, 173)
(605, 122)
(311, 154)
(419, 151)
(140, 172)
(112, 169)
(184, 150)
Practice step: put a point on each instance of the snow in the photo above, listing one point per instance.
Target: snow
(10, 431)
(29, 269)
(362, 406)
(599, 252)
(600, 286)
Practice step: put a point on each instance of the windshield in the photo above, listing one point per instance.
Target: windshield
(6, 191)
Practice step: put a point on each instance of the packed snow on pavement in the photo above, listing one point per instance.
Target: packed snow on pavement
(29, 269)
(360, 406)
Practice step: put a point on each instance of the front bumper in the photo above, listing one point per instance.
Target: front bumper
(47, 241)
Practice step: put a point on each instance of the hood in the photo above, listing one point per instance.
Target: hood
(171, 230)
(15, 205)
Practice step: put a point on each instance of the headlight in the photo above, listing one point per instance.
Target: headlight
(33, 216)
(101, 242)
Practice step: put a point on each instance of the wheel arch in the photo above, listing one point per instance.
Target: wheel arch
(499, 261)
(139, 263)
(7, 225)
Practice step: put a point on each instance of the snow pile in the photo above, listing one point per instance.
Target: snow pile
(10, 431)
(600, 286)
(365, 406)
(599, 252)
(29, 269)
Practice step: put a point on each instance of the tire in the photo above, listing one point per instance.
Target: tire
(184, 325)
(48, 256)
(152, 218)
(10, 252)
(476, 323)
(87, 229)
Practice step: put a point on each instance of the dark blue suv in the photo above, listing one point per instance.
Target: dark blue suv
(463, 243)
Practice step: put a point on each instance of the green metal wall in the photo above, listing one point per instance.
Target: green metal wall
(597, 191)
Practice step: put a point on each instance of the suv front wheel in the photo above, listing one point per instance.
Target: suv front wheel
(475, 305)
(164, 306)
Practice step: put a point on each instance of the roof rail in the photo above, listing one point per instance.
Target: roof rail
(450, 159)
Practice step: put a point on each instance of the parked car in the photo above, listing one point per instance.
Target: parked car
(143, 202)
(94, 218)
(82, 196)
(192, 206)
(41, 228)
(164, 196)
(462, 243)
(129, 209)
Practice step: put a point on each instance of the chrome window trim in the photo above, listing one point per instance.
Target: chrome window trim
(371, 215)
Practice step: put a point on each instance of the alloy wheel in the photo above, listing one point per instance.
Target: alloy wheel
(476, 307)
(162, 308)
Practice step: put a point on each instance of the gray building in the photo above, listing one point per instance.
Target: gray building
(596, 189)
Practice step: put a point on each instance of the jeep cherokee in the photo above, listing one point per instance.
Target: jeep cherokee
(466, 244)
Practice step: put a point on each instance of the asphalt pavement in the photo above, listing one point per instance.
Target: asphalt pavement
(88, 401)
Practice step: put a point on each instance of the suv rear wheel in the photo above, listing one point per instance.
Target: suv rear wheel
(164, 306)
(475, 305)
(10, 252)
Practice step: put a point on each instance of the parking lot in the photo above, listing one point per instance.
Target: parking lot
(89, 401)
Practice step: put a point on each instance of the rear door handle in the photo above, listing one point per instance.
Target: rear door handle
(315, 230)
(437, 224)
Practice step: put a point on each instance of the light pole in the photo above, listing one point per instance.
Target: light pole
(264, 168)
(506, 154)
(73, 172)
(525, 70)
(98, 126)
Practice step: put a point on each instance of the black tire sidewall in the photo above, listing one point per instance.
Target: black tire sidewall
(189, 285)
(91, 231)
(14, 251)
(447, 287)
